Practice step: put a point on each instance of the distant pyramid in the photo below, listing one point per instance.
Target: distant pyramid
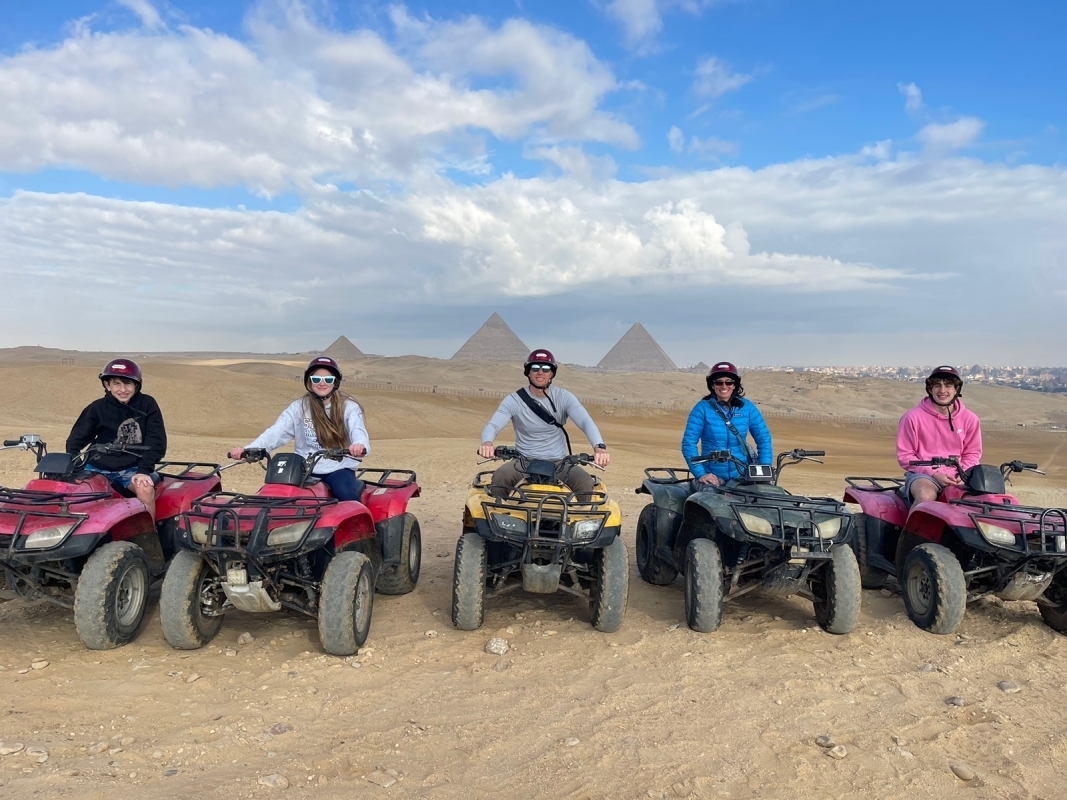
(637, 351)
(494, 341)
(343, 350)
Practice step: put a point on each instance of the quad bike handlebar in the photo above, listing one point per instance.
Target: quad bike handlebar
(784, 459)
(28, 441)
(1006, 468)
(505, 453)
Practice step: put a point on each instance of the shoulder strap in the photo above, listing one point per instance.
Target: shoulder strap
(543, 414)
(730, 427)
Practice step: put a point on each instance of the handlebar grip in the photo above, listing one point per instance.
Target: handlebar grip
(811, 452)
(12, 442)
(1027, 465)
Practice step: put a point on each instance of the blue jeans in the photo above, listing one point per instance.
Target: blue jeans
(121, 479)
(343, 484)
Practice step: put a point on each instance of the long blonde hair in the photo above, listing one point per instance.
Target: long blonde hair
(330, 427)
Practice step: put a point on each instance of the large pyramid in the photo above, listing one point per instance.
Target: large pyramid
(494, 341)
(343, 350)
(637, 351)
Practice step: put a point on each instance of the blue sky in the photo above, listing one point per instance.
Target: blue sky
(702, 167)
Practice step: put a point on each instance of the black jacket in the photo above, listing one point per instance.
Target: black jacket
(106, 421)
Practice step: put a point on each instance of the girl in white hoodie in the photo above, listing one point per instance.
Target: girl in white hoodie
(323, 418)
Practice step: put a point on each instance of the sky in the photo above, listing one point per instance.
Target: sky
(761, 181)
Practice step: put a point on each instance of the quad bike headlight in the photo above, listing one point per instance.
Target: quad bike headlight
(506, 522)
(198, 530)
(756, 525)
(288, 534)
(585, 530)
(994, 534)
(828, 528)
(47, 537)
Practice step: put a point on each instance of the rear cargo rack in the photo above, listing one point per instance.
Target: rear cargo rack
(390, 478)
(875, 484)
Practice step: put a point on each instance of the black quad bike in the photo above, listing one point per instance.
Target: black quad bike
(541, 537)
(745, 535)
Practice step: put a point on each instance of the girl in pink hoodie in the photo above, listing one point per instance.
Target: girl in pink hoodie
(939, 426)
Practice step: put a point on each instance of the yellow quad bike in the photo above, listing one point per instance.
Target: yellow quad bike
(540, 537)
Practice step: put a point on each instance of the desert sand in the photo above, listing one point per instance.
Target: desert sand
(654, 710)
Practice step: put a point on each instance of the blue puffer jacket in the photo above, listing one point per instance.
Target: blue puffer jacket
(707, 427)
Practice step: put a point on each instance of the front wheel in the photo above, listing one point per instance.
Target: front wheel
(612, 583)
(468, 583)
(934, 589)
(1055, 612)
(836, 589)
(401, 578)
(653, 570)
(703, 586)
(112, 595)
(870, 577)
(346, 603)
(188, 593)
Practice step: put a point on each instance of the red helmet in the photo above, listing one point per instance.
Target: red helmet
(121, 368)
(539, 357)
(725, 369)
(322, 362)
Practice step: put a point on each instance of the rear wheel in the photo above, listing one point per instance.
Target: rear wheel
(836, 589)
(703, 586)
(401, 578)
(112, 594)
(468, 583)
(1055, 613)
(346, 603)
(870, 577)
(652, 569)
(608, 598)
(186, 595)
(935, 591)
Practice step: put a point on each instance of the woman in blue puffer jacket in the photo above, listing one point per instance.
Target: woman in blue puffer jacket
(707, 425)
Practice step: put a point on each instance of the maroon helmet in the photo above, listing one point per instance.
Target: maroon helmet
(723, 369)
(945, 371)
(322, 362)
(539, 357)
(121, 368)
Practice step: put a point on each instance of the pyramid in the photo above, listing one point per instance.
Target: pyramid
(343, 350)
(637, 351)
(494, 341)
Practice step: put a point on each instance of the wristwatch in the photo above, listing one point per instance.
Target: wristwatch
(600, 446)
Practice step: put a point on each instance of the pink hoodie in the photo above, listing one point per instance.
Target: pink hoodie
(924, 433)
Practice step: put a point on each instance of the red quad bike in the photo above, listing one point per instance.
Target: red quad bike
(293, 546)
(69, 537)
(972, 541)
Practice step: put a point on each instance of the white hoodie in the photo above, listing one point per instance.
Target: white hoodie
(295, 424)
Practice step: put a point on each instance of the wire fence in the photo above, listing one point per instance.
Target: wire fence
(843, 419)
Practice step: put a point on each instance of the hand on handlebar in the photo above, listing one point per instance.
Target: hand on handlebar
(237, 453)
(947, 479)
(601, 458)
(357, 450)
(487, 450)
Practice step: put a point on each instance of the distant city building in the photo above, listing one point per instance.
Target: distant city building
(1041, 379)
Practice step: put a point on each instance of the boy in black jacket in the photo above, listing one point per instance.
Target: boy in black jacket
(124, 416)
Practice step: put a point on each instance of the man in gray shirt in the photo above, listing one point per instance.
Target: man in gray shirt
(535, 437)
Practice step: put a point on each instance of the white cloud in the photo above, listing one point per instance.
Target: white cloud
(913, 102)
(145, 11)
(676, 139)
(868, 225)
(714, 78)
(953, 135)
(711, 147)
(297, 103)
(642, 20)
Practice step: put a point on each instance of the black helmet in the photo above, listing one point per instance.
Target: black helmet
(945, 372)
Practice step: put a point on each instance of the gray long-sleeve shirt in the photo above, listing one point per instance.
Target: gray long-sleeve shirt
(534, 437)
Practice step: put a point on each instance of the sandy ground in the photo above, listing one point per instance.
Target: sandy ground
(653, 710)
